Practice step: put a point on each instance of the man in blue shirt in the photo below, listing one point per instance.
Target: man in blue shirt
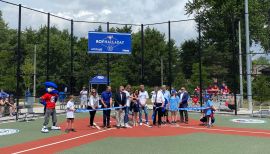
(167, 97)
(106, 101)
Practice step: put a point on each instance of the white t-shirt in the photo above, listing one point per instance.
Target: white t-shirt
(93, 101)
(143, 96)
(70, 106)
(128, 97)
(84, 94)
(158, 97)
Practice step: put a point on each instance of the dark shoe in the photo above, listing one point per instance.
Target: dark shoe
(109, 126)
(73, 130)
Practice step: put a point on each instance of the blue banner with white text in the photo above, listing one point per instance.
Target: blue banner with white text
(103, 42)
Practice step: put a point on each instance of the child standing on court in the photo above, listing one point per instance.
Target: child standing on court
(174, 103)
(209, 111)
(70, 114)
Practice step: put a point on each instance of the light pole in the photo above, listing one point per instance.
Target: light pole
(248, 59)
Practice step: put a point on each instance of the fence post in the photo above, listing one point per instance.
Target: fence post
(200, 61)
(170, 56)
(234, 65)
(71, 57)
(108, 59)
(48, 48)
(18, 74)
(142, 54)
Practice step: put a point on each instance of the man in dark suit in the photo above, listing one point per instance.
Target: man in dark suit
(120, 101)
(183, 104)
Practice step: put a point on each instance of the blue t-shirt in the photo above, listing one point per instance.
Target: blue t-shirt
(106, 96)
(208, 104)
(174, 103)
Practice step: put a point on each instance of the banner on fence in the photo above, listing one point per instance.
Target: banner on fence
(115, 43)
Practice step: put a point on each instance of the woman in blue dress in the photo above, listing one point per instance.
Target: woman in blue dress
(174, 103)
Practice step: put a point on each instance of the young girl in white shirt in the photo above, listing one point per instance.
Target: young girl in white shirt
(70, 114)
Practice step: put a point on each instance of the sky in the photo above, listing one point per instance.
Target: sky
(120, 11)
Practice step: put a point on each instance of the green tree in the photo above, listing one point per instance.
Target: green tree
(189, 56)
(7, 56)
(261, 88)
(261, 61)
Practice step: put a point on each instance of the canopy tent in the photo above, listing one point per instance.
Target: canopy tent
(98, 80)
(3, 94)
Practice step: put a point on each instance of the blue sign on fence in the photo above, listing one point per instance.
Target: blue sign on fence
(102, 42)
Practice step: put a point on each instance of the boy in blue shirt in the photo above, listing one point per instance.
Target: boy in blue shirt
(209, 111)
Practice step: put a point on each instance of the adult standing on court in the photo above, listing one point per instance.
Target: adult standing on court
(106, 100)
(143, 96)
(167, 96)
(120, 101)
(183, 104)
(127, 92)
(158, 103)
(93, 105)
(135, 107)
(83, 96)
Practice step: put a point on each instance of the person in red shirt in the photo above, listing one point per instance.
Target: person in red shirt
(226, 90)
(49, 100)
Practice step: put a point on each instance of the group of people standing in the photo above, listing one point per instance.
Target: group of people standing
(135, 101)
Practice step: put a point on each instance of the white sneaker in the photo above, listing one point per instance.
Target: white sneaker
(55, 128)
(44, 130)
(140, 123)
(127, 125)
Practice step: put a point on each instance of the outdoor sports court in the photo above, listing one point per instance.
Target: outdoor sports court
(225, 137)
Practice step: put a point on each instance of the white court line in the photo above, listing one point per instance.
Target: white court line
(147, 125)
(97, 126)
(224, 130)
(54, 143)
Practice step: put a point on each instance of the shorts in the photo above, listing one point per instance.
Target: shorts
(136, 107)
(165, 113)
(70, 118)
(204, 119)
